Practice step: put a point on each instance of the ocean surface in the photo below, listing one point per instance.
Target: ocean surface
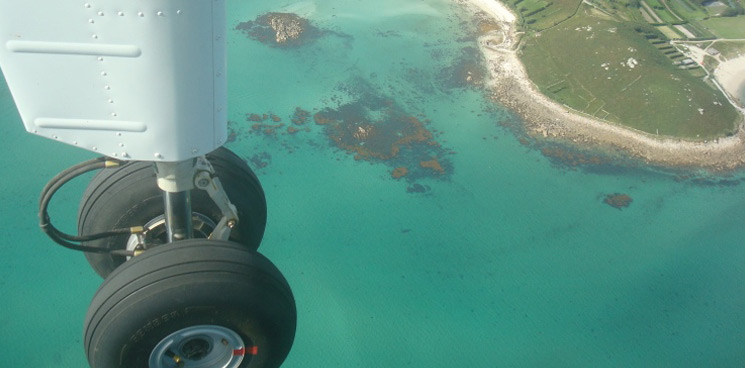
(506, 255)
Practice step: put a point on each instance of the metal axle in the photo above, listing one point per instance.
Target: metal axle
(176, 180)
(178, 215)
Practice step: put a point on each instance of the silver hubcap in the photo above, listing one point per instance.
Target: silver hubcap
(156, 230)
(206, 346)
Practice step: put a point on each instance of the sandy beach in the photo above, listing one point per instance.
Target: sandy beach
(731, 75)
(510, 86)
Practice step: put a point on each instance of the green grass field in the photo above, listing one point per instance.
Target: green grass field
(727, 27)
(661, 11)
(541, 14)
(584, 63)
(730, 49)
(686, 9)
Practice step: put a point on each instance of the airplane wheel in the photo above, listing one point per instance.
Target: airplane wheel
(129, 196)
(194, 303)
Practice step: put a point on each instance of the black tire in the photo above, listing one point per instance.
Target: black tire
(191, 283)
(129, 196)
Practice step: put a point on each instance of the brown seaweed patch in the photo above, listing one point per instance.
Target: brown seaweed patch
(268, 124)
(374, 127)
(618, 200)
(254, 117)
(320, 119)
(300, 116)
(352, 130)
(399, 172)
(432, 164)
(232, 133)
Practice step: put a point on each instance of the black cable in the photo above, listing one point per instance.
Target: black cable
(67, 240)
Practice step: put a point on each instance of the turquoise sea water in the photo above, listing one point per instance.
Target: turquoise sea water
(508, 259)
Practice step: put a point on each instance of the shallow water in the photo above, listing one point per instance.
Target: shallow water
(508, 258)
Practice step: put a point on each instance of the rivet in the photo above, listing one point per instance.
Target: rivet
(103, 74)
(95, 36)
(55, 137)
(87, 5)
(36, 131)
(141, 14)
(100, 58)
(121, 144)
(125, 154)
(158, 155)
(121, 14)
(111, 101)
(178, 11)
(100, 13)
(113, 114)
(160, 13)
(91, 21)
(75, 142)
(118, 134)
(194, 150)
(114, 154)
(94, 148)
(107, 87)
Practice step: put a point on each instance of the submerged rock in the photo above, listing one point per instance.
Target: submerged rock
(399, 172)
(618, 200)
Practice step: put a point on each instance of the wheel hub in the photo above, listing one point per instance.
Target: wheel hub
(196, 349)
(205, 346)
(156, 233)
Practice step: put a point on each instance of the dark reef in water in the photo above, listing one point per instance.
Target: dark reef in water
(618, 200)
(467, 71)
(260, 160)
(373, 127)
(369, 126)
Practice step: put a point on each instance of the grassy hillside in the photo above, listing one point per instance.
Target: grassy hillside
(610, 70)
(614, 60)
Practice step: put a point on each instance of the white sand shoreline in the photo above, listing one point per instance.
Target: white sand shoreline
(731, 76)
(511, 87)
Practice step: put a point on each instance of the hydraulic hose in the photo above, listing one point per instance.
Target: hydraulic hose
(61, 238)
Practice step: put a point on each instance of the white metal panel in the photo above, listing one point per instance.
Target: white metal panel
(132, 79)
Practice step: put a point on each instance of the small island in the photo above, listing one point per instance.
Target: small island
(280, 30)
(662, 80)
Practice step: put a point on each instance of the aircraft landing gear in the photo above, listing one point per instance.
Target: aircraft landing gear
(129, 196)
(194, 303)
(184, 285)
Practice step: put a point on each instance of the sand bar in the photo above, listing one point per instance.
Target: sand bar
(543, 118)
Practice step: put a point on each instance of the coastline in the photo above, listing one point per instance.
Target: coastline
(731, 75)
(509, 85)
